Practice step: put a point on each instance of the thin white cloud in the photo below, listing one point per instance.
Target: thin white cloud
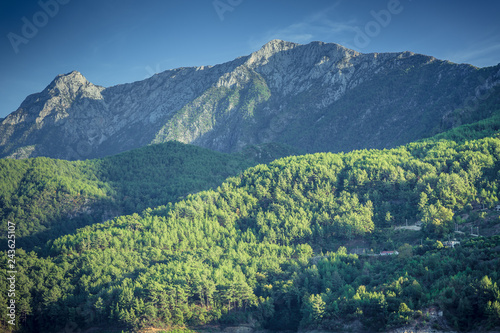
(485, 53)
(317, 26)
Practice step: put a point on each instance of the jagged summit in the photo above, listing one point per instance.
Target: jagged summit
(73, 78)
(71, 75)
(309, 53)
(73, 85)
(270, 49)
(277, 45)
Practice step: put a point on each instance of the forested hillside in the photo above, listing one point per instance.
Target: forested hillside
(48, 197)
(269, 247)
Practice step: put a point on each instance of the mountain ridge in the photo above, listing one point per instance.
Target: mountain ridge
(314, 97)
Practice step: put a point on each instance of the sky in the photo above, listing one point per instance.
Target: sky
(119, 41)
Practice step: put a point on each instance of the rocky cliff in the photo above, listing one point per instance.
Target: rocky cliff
(316, 97)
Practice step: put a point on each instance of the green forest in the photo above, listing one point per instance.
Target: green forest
(271, 246)
(48, 197)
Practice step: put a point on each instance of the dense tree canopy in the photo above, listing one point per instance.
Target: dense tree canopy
(268, 245)
(48, 197)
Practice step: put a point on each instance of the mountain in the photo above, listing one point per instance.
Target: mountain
(314, 97)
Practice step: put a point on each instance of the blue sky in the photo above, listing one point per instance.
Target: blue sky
(119, 41)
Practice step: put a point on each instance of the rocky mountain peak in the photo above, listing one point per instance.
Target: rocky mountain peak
(271, 48)
(73, 80)
(278, 45)
(71, 76)
(73, 85)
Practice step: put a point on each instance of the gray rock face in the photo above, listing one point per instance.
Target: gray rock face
(317, 97)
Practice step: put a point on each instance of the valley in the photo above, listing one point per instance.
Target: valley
(301, 188)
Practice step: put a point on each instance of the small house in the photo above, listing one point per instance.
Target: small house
(389, 253)
(451, 243)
